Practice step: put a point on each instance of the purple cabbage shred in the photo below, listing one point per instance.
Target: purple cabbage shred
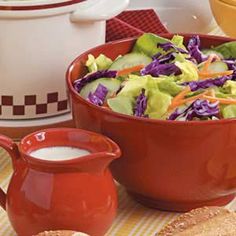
(80, 83)
(231, 63)
(204, 84)
(156, 69)
(141, 104)
(168, 46)
(200, 109)
(194, 49)
(164, 58)
(99, 96)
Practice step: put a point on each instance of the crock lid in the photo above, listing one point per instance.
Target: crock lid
(230, 2)
(35, 5)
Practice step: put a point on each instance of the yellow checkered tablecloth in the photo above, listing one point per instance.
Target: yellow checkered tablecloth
(132, 219)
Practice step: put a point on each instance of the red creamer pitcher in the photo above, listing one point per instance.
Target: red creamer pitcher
(52, 194)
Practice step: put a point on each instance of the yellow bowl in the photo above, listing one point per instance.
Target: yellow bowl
(224, 12)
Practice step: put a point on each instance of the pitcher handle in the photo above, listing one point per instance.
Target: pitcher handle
(11, 147)
(98, 10)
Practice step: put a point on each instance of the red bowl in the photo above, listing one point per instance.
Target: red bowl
(169, 165)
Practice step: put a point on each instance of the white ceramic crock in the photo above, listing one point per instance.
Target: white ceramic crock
(38, 39)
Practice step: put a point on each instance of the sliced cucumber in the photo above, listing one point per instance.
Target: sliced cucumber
(113, 85)
(217, 66)
(211, 51)
(130, 60)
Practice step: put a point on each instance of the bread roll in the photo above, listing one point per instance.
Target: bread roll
(206, 221)
(61, 233)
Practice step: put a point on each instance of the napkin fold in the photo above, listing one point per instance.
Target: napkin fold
(133, 23)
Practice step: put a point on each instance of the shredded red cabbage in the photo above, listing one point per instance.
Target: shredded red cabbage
(168, 46)
(141, 104)
(194, 49)
(80, 83)
(201, 109)
(164, 58)
(231, 63)
(156, 69)
(99, 96)
(204, 84)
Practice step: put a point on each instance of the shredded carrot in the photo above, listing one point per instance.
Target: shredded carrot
(179, 97)
(182, 94)
(183, 101)
(130, 70)
(208, 75)
(220, 100)
(208, 62)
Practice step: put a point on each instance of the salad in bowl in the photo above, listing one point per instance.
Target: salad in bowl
(164, 79)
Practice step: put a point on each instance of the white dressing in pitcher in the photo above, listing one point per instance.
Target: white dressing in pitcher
(59, 153)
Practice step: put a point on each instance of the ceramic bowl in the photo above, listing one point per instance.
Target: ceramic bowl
(169, 165)
(224, 12)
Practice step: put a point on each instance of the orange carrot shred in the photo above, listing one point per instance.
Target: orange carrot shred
(208, 62)
(205, 75)
(220, 100)
(183, 101)
(182, 94)
(130, 70)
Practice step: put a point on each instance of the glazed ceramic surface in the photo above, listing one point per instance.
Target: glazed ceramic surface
(224, 12)
(77, 194)
(178, 15)
(38, 39)
(165, 164)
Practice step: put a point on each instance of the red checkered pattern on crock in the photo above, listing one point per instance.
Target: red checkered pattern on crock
(31, 100)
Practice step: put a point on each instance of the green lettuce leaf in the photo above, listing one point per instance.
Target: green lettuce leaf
(122, 104)
(147, 44)
(135, 84)
(228, 50)
(178, 41)
(189, 71)
(230, 87)
(100, 63)
(157, 104)
(168, 85)
(229, 111)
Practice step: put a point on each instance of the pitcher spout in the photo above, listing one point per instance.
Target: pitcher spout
(98, 162)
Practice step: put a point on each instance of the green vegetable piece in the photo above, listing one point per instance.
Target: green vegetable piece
(229, 111)
(147, 44)
(100, 63)
(121, 104)
(135, 84)
(230, 87)
(217, 66)
(157, 105)
(130, 60)
(111, 84)
(228, 50)
(189, 71)
(168, 85)
(178, 41)
(211, 51)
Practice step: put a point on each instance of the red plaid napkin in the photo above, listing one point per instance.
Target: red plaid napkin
(133, 23)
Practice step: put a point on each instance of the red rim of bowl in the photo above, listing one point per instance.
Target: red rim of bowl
(115, 148)
(141, 119)
(39, 7)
